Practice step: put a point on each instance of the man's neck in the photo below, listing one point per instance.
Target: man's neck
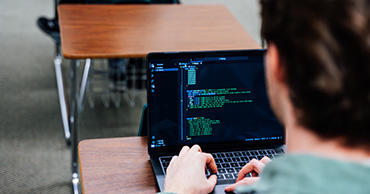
(303, 140)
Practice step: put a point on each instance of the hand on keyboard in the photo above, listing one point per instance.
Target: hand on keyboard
(254, 167)
(186, 172)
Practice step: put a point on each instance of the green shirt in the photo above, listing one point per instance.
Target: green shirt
(307, 174)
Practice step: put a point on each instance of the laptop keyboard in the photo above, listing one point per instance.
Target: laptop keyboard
(230, 163)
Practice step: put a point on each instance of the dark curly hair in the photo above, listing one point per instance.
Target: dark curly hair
(324, 47)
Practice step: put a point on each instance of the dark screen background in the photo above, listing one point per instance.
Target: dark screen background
(238, 121)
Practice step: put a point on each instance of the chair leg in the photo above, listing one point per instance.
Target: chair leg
(61, 94)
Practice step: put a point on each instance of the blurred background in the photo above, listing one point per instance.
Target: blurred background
(34, 157)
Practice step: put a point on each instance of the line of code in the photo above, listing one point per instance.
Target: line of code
(192, 77)
(215, 98)
(199, 126)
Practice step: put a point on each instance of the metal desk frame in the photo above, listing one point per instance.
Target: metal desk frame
(70, 121)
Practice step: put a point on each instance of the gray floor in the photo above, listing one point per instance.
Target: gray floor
(33, 155)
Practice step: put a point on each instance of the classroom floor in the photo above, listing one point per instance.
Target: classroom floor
(34, 157)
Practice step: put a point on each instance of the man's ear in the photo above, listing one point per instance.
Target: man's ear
(274, 62)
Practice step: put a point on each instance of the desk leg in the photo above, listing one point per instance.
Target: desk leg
(84, 84)
(73, 120)
(61, 94)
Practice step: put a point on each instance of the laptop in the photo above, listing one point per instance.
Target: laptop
(216, 99)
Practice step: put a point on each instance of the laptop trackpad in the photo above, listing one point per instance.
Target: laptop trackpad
(220, 189)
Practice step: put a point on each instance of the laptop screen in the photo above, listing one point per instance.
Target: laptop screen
(209, 98)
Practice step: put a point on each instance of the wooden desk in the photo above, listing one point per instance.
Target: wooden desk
(119, 31)
(116, 165)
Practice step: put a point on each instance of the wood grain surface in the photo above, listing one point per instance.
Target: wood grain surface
(109, 31)
(116, 165)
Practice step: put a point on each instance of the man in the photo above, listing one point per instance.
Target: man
(318, 76)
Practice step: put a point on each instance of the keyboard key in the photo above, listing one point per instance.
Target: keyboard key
(214, 156)
(253, 157)
(244, 158)
(218, 166)
(220, 155)
(228, 176)
(225, 165)
(244, 153)
(259, 157)
(219, 160)
(242, 164)
(227, 160)
(220, 177)
(166, 159)
(229, 154)
(238, 154)
(253, 153)
(230, 170)
(221, 171)
(235, 175)
(234, 164)
(238, 169)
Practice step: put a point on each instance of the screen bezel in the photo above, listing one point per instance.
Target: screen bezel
(208, 146)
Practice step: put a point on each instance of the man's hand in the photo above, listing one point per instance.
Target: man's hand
(186, 172)
(255, 167)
